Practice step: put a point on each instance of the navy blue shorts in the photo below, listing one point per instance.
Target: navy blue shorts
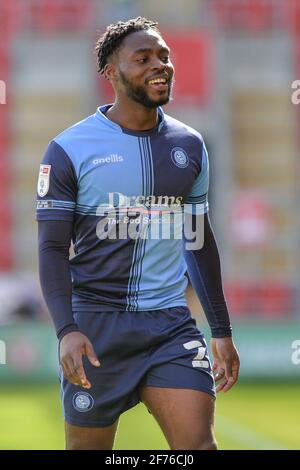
(161, 348)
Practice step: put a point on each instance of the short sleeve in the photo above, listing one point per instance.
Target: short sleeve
(198, 197)
(57, 186)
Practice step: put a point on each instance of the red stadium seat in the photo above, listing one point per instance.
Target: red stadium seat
(10, 18)
(6, 14)
(266, 299)
(277, 299)
(253, 15)
(52, 15)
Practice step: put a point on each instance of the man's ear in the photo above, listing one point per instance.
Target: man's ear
(110, 72)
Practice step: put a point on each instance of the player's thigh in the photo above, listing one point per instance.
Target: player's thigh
(88, 438)
(185, 416)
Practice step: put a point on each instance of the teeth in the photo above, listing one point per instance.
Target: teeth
(158, 80)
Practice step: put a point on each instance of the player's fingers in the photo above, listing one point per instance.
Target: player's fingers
(73, 379)
(80, 374)
(72, 363)
(221, 385)
(91, 354)
(67, 367)
(230, 382)
(67, 371)
(219, 374)
(235, 370)
(228, 369)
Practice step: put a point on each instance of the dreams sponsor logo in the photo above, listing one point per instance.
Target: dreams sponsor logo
(119, 200)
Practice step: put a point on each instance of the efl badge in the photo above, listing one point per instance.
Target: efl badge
(44, 178)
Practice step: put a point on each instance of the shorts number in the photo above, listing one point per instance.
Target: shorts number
(198, 359)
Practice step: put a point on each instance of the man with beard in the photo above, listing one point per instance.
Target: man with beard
(125, 332)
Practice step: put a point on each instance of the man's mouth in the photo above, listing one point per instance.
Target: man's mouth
(159, 84)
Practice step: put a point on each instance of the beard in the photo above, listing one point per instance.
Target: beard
(140, 95)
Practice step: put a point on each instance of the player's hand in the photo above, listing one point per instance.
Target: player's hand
(226, 363)
(72, 347)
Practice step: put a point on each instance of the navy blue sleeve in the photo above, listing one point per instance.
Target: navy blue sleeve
(55, 277)
(205, 274)
(199, 192)
(57, 185)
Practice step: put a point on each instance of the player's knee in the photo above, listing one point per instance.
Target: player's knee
(74, 446)
(88, 443)
(196, 443)
(78, 445)
(208, 444)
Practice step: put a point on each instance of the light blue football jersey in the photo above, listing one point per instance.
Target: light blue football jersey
(115, 184)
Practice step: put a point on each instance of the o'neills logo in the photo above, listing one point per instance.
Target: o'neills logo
(112, 158)
(116, 199)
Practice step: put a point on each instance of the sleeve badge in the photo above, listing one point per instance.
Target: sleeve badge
(44, 180)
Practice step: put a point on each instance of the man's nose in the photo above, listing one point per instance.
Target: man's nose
(157, 63)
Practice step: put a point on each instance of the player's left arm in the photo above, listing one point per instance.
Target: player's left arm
(205, 273)
(204, 268)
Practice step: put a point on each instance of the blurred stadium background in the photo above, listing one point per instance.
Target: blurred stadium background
(235, 61)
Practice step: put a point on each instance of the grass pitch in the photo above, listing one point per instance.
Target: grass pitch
(250, 416)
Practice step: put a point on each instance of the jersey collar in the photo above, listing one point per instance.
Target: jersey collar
(100, 114)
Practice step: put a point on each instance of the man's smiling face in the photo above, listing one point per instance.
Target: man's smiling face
(145, 72)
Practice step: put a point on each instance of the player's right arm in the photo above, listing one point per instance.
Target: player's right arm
(57, 192)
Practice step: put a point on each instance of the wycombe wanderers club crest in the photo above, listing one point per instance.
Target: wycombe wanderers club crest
(83, 401)
(179, 157)
(43, 182)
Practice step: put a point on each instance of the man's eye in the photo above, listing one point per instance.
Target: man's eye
(165, 59)
(142, 60)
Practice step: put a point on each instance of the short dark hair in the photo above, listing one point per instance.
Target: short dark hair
(111, 40)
